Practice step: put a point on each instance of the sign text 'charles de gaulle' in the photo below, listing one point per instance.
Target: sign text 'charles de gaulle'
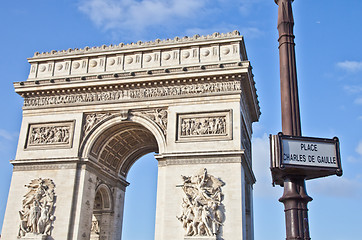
(312, 157)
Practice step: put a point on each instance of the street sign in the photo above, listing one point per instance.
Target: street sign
(307, 156)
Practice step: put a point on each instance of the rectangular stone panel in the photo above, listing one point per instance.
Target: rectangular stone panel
(204, 126)
(200, 238)
(50, 135)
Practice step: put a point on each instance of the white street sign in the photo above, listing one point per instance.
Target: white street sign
(309, 153)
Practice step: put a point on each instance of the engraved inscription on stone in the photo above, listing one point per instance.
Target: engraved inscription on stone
(214, 124)
(38, 206)
(202, 208)
(50, 134)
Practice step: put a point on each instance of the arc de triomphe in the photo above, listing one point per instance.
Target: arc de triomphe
(90, 113)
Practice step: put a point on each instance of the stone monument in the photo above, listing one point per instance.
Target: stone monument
(90, 113)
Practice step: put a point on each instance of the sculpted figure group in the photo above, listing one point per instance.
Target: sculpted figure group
(37, 214)
(202, 213)
(48, 135)
(203, 126)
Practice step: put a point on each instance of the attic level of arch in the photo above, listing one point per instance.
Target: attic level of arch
(126, 77)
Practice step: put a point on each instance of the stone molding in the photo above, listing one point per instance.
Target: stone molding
(200, 238)
(167, 162)
(44, 166)
(199, 158)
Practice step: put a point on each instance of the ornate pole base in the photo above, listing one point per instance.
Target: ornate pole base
(295, 200)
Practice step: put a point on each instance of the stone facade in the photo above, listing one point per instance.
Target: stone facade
(90, 113)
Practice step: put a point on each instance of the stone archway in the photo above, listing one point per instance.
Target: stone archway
(114, 143)
(102, 210)
(90, 113)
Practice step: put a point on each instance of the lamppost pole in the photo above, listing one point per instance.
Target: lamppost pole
(295, 197)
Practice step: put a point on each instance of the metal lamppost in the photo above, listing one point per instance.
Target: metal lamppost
(295, 197)
(295, 158)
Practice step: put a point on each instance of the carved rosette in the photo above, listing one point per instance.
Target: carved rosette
(37, 214)
(202, 208)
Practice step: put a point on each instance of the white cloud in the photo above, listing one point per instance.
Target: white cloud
(139, 17)
(342, 187)
(358, 101)
(132, 15)
(7, 135)
(245, 6)
(261, 167)
(359, 148)
(350, 66)
(353, 88)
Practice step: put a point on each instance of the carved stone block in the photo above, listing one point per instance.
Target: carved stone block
(204, 126)
(32, 236)
(200, 238)
(50, 135)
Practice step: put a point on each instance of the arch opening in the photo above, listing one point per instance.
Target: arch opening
(116, 148)
(140, 200)
(119, 146)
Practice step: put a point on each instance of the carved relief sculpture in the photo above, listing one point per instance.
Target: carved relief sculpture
(50, 134)
(92, 119)
(95, 230)
(203, 126)
(37, 214)
(202, 208)
(159, 116)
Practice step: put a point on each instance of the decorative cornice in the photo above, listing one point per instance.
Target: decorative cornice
(139, 44)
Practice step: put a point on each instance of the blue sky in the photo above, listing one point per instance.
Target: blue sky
(329, 66)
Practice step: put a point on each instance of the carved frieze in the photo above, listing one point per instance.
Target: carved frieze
(202, 207)
(38, 206)
(133, 94)
(198, 126)
(57, 134)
